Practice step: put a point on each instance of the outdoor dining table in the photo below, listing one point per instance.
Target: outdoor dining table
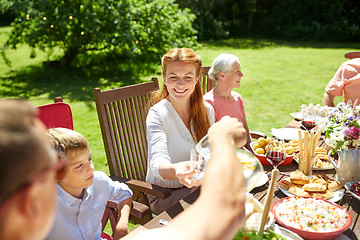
(351, 204)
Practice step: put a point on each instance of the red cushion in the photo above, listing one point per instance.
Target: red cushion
(56, 115)
(106, 236)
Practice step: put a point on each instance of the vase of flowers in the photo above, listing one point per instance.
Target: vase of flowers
(342, 134)
(342, 130)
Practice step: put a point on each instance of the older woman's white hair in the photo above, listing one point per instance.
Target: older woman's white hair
(222, 63)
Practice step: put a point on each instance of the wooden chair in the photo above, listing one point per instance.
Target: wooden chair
(206, 83)
(352, 54)
(122, 116)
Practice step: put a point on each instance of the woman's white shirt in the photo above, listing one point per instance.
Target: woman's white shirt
(168, 140)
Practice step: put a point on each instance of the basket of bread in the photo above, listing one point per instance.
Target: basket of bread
(319, 185)
(260, 148)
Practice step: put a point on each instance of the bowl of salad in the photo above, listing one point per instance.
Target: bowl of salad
(311, 218)
(275, 233)
(353, 188)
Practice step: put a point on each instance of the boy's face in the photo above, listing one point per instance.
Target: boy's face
(80, 172)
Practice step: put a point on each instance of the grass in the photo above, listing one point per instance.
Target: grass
(279, 77)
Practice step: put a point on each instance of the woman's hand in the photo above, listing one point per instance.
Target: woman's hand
(181, 171)
(184, 172)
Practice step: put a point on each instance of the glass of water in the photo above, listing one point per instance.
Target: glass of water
(252, 168)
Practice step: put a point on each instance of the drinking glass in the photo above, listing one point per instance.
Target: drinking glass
(252, 168)
(198, 163)
(308, 121)
(275, 153)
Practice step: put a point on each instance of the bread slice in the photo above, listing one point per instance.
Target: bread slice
(299, 178)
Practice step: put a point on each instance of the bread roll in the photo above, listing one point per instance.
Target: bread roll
(284, 184)
(334, 185)
(298, 191)
(314, 187)
(298, 178)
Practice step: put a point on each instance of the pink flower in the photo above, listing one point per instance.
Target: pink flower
(346, 131)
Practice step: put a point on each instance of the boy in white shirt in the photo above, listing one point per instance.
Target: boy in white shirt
(83, 193)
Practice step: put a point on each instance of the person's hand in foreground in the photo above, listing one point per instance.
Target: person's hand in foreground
(220, 209)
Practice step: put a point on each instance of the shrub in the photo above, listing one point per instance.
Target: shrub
(132, 28)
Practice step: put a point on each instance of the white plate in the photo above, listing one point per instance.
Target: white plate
(297, 115)
(263, 179)
(316, 168)
(347, 187)
(285, 133)
(337, 194)
(286, 233)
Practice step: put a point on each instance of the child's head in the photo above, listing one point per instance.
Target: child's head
(80, 167)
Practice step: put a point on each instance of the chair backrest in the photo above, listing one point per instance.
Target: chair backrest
(56, 114)
(353, 54)
(206, 83)
(122, 116)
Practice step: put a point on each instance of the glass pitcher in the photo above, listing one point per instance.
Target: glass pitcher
(252, 168)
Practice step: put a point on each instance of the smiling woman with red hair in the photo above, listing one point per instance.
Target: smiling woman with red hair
(177, 120)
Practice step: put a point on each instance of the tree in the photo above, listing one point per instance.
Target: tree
(133, 28)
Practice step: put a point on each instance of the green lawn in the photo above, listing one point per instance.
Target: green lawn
(278, 77)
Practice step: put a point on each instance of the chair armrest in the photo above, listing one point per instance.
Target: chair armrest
(141, 186)
(137, 208)
(257, 135)
(112, 214)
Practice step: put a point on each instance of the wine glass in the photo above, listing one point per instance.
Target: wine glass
(308, 121)
(275, 153)
(252, 168)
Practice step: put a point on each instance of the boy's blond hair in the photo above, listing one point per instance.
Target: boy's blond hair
(67, 140)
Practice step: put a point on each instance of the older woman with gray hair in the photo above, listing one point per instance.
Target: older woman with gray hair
(226, 71)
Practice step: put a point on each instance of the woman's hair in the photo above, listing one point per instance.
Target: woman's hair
(67, 140)
(198, 113)
(222, 63)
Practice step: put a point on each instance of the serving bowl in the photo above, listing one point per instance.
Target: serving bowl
(262, 157)
(278, 211)
(347, 187)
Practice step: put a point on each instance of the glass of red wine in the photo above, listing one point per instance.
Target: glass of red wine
(275, 153)
(309, 122)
